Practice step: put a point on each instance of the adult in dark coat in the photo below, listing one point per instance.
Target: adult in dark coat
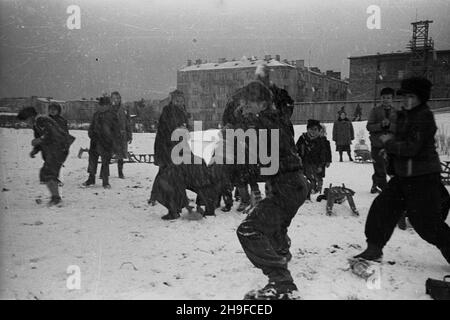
(105, 139)
(415, 186)
(343, 135)
(126, 135)
(263, 234)
(165, 189)
(381, 121)
(53, 142)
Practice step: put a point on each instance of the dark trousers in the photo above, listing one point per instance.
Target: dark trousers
(379, 168)
(263, 233)
(53, 161)
(93, 162)
(421, 198)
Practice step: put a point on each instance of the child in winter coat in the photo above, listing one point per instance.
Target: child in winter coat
(313, 152)
(362, 151)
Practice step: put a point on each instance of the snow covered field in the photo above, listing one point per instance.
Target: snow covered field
(125, 251)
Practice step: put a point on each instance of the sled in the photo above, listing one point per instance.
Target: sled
(339, 195)
(132, 157)
(359, 159)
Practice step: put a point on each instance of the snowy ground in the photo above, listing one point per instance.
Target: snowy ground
(125, 251)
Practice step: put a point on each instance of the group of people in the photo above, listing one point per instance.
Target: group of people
(402, 146)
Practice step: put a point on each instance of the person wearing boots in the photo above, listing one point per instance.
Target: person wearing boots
(126, 136)
(53, 142)
(173, 197)
(343, 135)
(381, 121)
(105, 139)
(415, 187)
(313, 152)
(263, 233)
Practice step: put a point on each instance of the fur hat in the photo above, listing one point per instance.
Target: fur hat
(419, 86)
(387, 90)
(256, 91)
(313, 123)
(56, 106)
(26, 113)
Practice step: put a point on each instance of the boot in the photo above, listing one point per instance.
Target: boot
(55, 200)
(120, 169)
(52, 186)
(374, 189)
(171, 216)
(226, 208)
(274, 291)
(105, 182)
(89, 181)
(372, 253)
(242, 206)
(402, 223)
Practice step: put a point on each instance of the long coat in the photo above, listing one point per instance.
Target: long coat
(171, 118)
(343, 132)
(125, 133)
(104, 132)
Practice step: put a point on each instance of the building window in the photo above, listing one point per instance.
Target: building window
(401, 74)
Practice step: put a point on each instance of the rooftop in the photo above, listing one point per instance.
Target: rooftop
(398, 53)
(242, 63)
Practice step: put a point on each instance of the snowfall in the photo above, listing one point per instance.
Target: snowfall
(118, 247)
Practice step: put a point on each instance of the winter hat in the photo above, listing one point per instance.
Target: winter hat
(176, 93)
(386, 91)
(313, 123)
(56, 106)
(416, 85)
(256, 91)
(26, 113)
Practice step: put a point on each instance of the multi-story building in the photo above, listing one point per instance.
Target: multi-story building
(369, 74)
(208, 86)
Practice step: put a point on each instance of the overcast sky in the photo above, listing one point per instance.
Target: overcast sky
(136, 46)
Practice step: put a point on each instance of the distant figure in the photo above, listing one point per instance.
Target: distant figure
(343, 135)
(126, 135)
(358, 113)
(105, 138)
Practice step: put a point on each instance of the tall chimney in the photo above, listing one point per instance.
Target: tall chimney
(267, 57)
(189, 62)
(198, 61)
(277, 57)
